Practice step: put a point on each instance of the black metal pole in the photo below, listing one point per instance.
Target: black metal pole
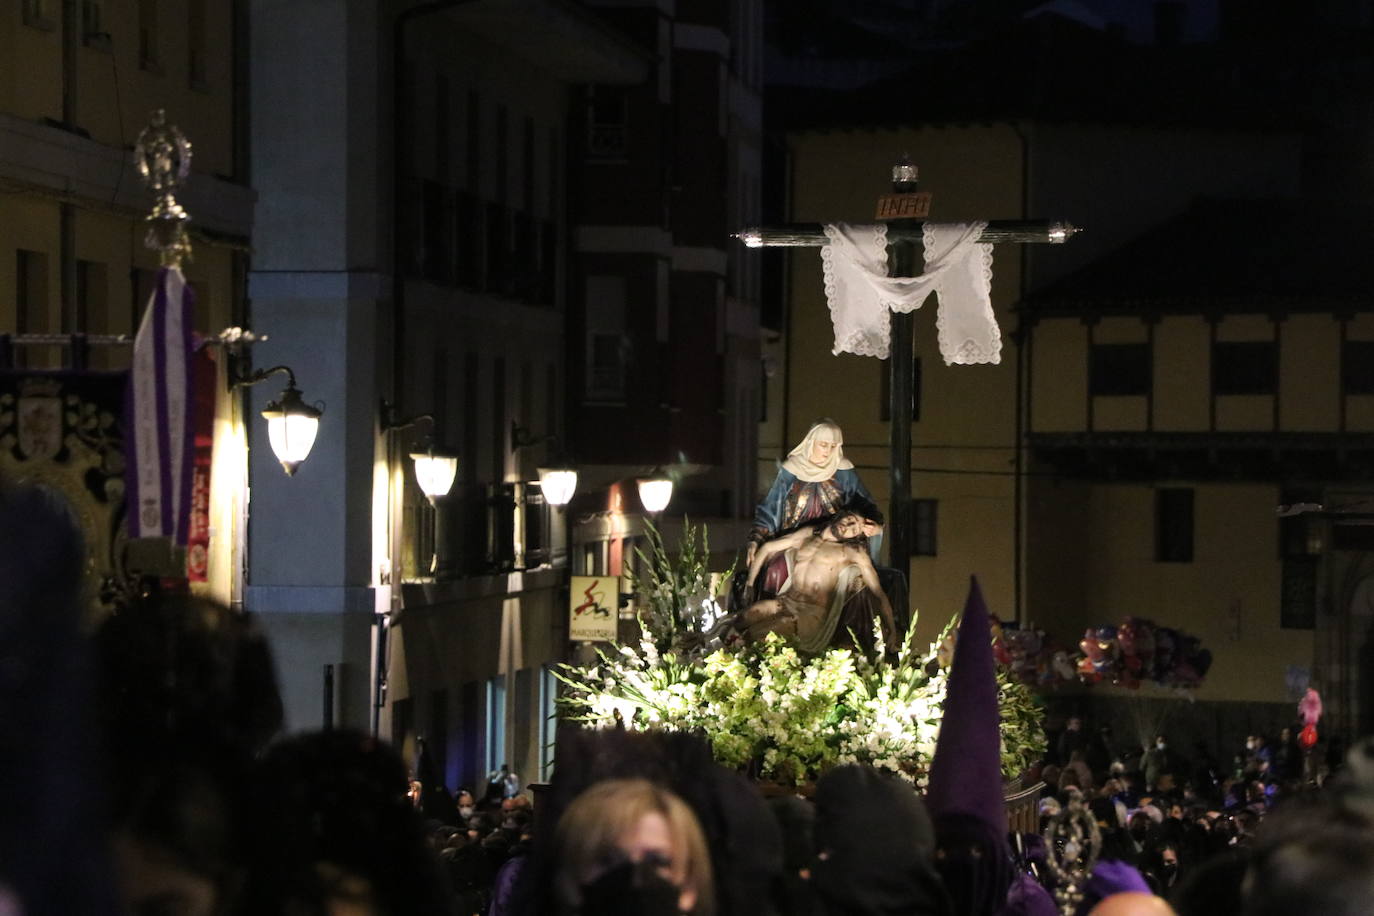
(327, 718)
(901, 259)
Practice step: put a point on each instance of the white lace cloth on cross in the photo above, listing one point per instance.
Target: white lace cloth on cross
(861, 293)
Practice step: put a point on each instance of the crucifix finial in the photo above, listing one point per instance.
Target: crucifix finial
(162, 156)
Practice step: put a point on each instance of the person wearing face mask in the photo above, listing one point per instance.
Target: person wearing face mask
(629, 846)
(466, 805)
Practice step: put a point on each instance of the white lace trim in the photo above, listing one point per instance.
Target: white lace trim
(861, 296)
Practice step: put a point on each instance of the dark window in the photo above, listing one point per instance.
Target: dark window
(441, 128)
(924, 518)
(31, 304)
(548, 263)
(93, 34)
(1174, 525)
(148, 58)
(499, 432)
(1119, 369)
(473, 142)
(1357, 367)
(1300, 535)
(607, 376)
(469, 239)
(1352, 537)
(502, 154)
(885, 390)
(438, 246)
(1245, 368)
(538, 536)
(498, 248)
(197, 61)
(1298, 605)
(38, 13)
(471, 383)
(607, 123)
(527, 167)
(1169, 21)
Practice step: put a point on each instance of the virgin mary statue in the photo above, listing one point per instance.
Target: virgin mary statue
(814, 483)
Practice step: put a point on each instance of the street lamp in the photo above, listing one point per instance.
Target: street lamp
(655, 491)
(557, 484)
(557, 481)
(292, 424)
(436, 467)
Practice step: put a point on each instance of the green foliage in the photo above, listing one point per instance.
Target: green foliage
(675, 592)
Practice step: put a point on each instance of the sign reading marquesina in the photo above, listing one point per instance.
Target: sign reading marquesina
(592, 606)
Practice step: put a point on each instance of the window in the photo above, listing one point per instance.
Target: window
(548, 722)
(438, 244)
(441, 128)
(496, 723)
(91, 298)
(606, 349)
(30, 304)
(147, 36)
(924, 517)
(1298, 602)
(502, 154)
(1244, 368)
(1169, 22)
(93, 34)
(608, 115)
(197, 65)
(37, 13)
(885, 390)
(473, 142)
(1174, 525)
(1357, 367)
(1119, 369)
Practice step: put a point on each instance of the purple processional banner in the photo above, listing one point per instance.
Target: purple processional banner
(160, 435)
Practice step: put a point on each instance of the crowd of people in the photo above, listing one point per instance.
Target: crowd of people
(145, 772)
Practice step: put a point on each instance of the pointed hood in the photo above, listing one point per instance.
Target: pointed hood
(966, 774)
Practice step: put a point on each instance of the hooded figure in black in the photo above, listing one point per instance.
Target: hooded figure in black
(874, 847)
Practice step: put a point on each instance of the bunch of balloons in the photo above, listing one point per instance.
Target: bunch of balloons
(1137, 650)
(1032, 657)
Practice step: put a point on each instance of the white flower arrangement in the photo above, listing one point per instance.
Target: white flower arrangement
(766, 709)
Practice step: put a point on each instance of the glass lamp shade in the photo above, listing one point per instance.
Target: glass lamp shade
(558, 485)
(291, 428)
(434, 472)
(654, 493)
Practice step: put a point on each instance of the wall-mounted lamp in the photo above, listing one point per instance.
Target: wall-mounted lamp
(558, 481)
(292, 424)
(436, 467)
(655, 491)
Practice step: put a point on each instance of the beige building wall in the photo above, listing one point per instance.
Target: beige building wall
(1091, 546)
